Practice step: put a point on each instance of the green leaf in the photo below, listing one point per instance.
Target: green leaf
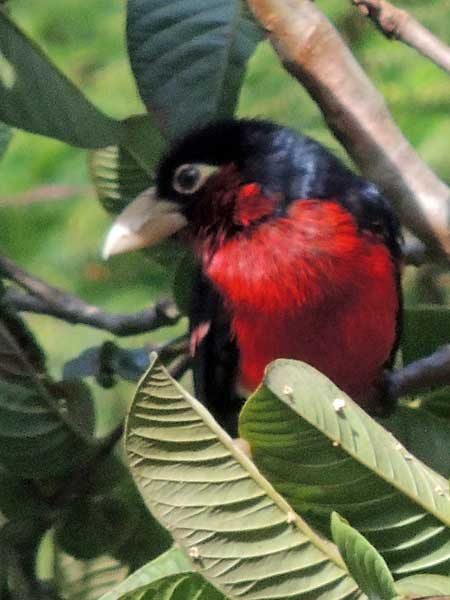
(111, 518)
(241, 535)
(18, 498)
(94, 525)
(36, 438)
(366, 566)
(437, 402)
(189, 58)
(117, 177)
(335, 457)
(172, 562)
(424, 585)
(77, 398)
(424, 434)
(86, 580)
(142, 138)
(185, 586)
(37, 97)
(21, 357)
(425, 328)
(122, 172)
(19, 542)
(5, 137)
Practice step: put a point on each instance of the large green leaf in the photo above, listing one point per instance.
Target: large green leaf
(18, 498)
(185, 586)
(142, 138)
(117, 177)
(189, 57)
(76, 397)
(21, 357)
(425, 328)
(424, 585)
(96, 525)
(24, 518)
(37, 97)
(19, 542)
(332, 456)
(111, 519)
(426, 435)
(122, 172)
(172, 562)
(86, 580)
(241, 535)
(437, 402)
(37, 439)
(366, 566)
(37, 435)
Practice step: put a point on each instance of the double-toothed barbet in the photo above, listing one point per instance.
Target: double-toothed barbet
(299, 259)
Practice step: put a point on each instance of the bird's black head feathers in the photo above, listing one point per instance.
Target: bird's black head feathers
(285, 164)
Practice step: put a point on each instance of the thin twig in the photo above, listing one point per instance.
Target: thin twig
(46, 193)
(79, 313)
(422, 375)
(48, 300)
(398, 24)
(315, 54)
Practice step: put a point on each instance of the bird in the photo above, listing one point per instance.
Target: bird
(298, 257)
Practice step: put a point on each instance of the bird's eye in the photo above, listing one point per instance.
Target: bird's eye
(189, 178)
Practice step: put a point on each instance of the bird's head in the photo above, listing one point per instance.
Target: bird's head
(223, 179)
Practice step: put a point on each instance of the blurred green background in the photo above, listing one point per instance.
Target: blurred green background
(60, 240)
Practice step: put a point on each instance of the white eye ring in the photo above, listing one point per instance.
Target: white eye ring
(190, 177)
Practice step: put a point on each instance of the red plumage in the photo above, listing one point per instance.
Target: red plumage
(308, 286)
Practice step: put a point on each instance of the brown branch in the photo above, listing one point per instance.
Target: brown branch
(48, 300)
(398, 24)
(422, 375)
(316, 55)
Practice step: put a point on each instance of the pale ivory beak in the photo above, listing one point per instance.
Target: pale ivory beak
(145, 222)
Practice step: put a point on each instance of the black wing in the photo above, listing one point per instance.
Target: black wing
(216, 355)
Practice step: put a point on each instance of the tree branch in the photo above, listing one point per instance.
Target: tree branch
(315, 54)
(48, 300)
(398, 24)
(422, 375)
